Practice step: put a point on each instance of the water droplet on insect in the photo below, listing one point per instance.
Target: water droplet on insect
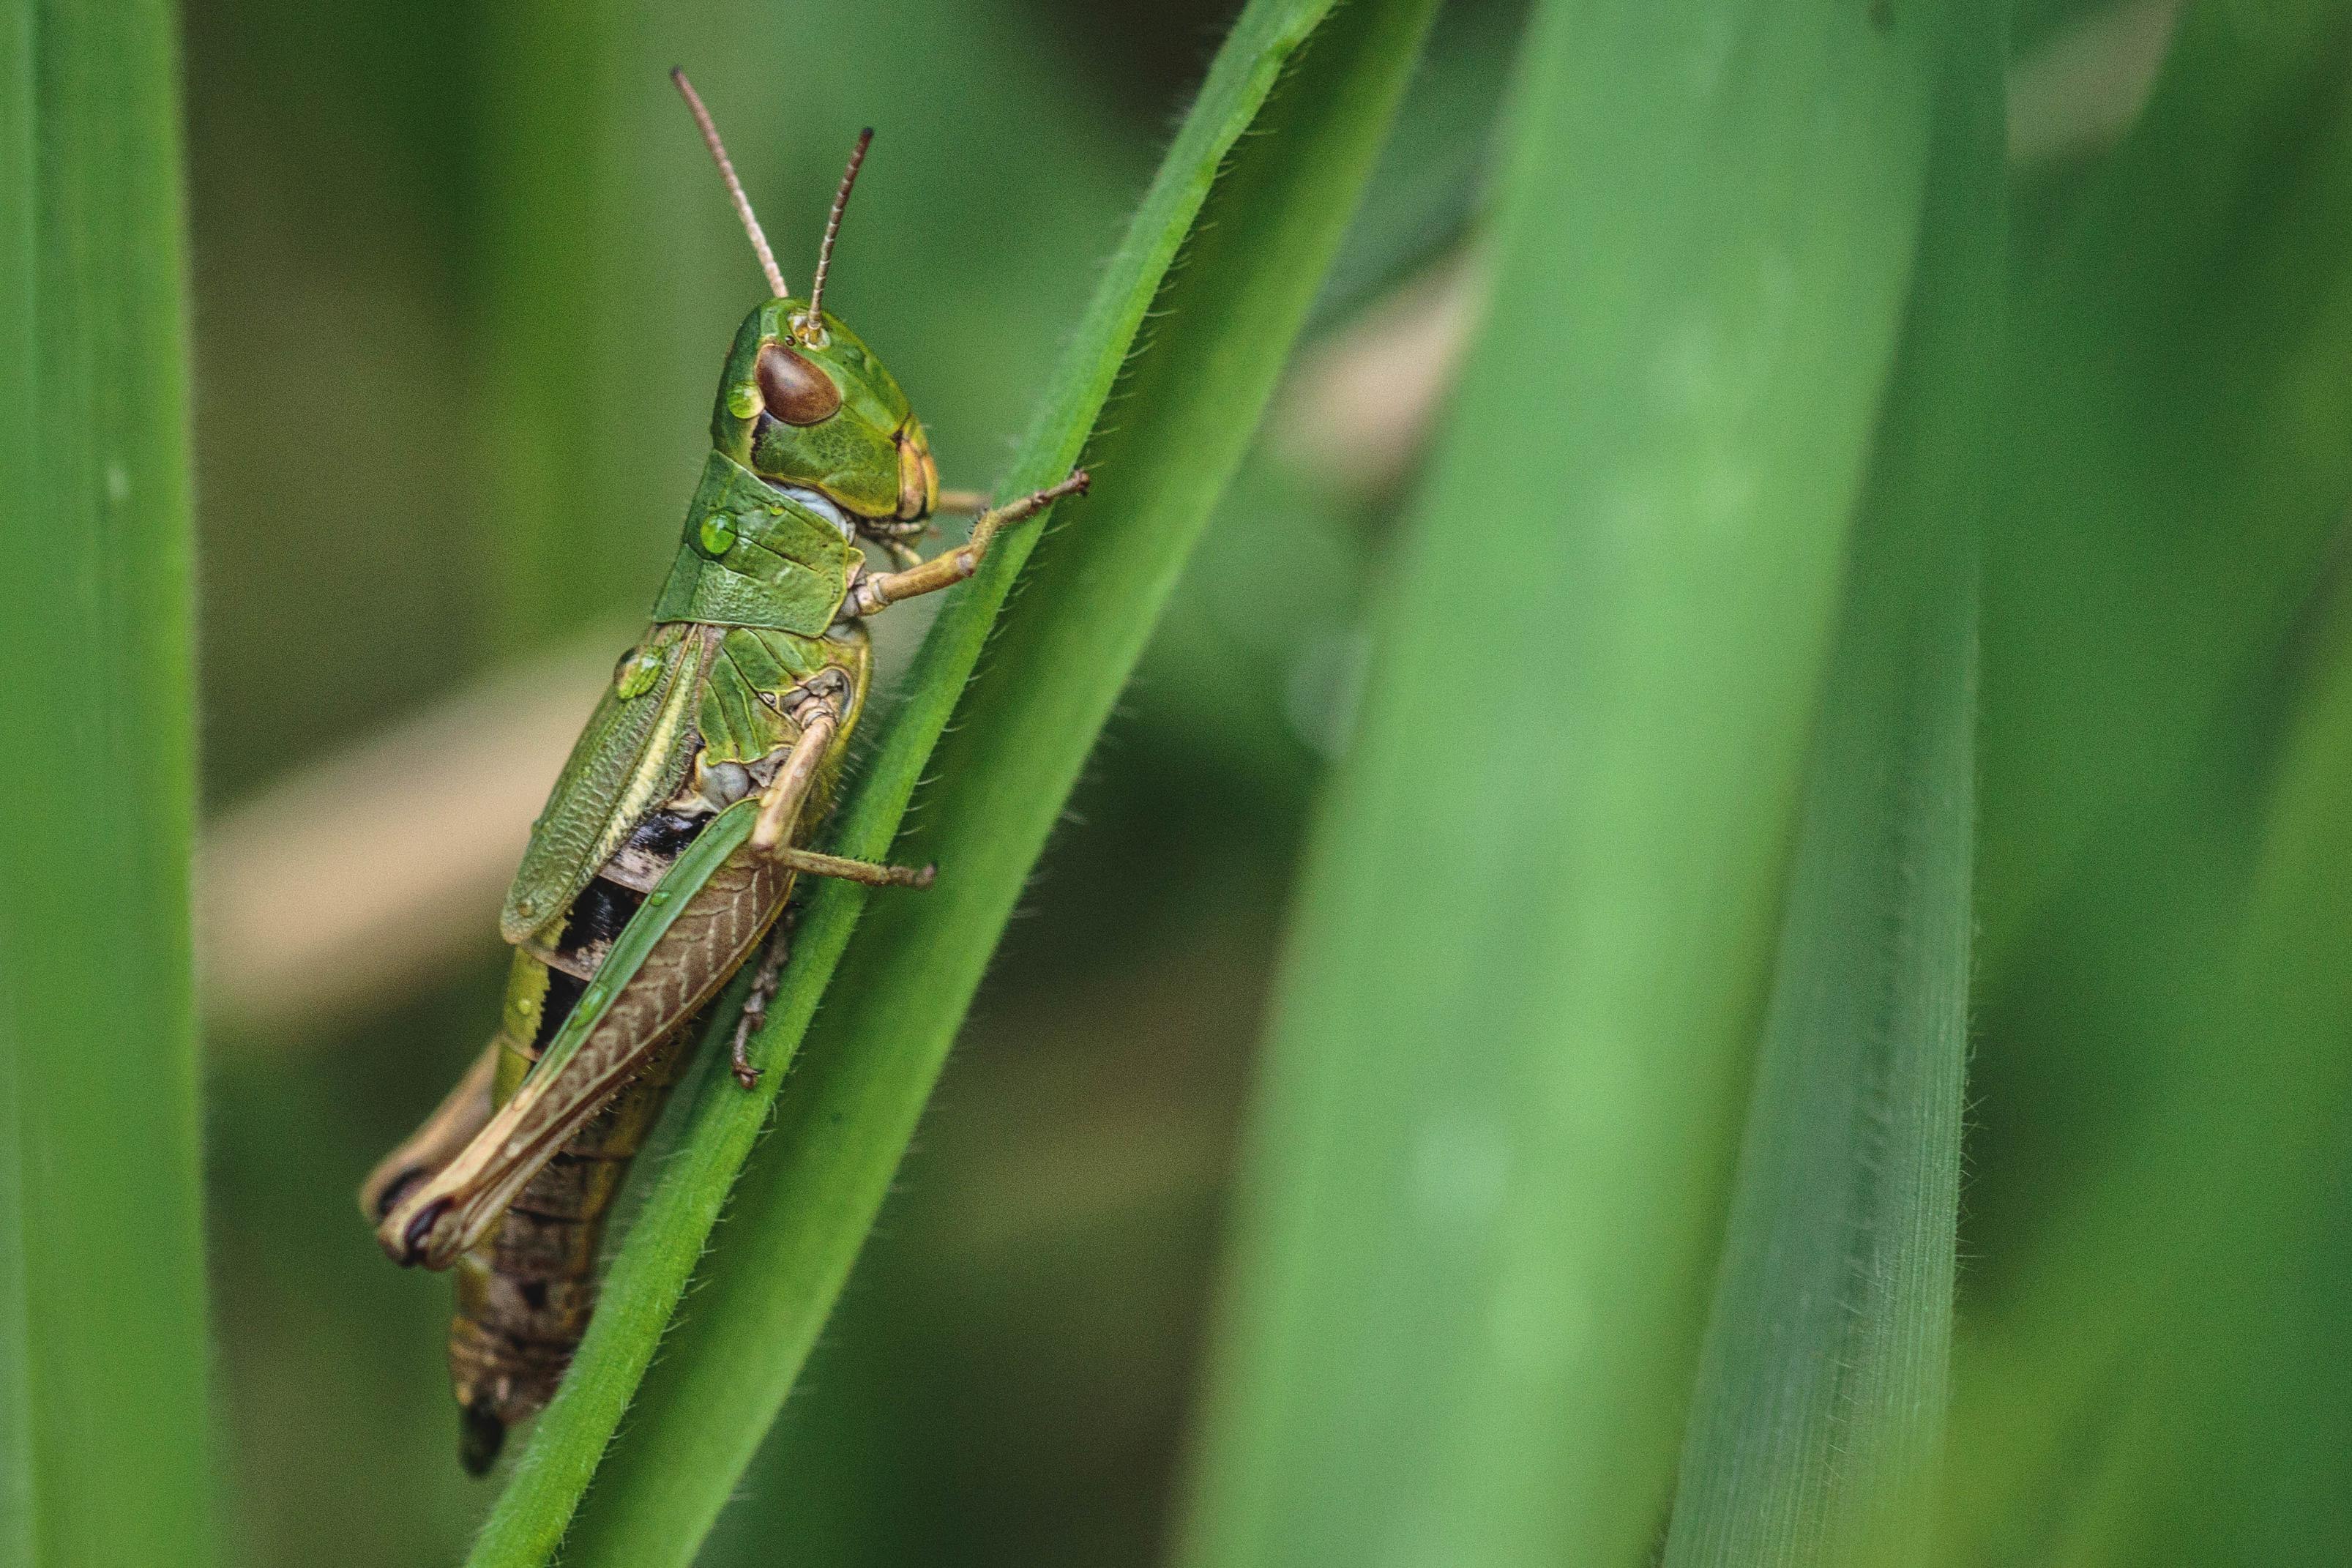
(635, 674)
(657, 898)
(527, 906)
(743, 401)
(718, 535)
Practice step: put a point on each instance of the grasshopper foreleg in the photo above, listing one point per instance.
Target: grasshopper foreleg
(876, 590)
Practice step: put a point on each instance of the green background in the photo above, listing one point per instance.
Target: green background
(1706, 812)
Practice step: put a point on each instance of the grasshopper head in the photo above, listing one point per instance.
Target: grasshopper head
(803, 404)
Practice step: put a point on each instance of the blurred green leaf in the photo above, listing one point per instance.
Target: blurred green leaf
(104, 1439)
(1490, 1152)
(600, 283)
(2150, 1063)
(2149, 1373)
(1430, 182)
(2233, 1400)
(1023, 732)
(2173, 466)
(1822, 1392)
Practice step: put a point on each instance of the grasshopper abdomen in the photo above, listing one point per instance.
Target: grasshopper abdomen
(526, 1292)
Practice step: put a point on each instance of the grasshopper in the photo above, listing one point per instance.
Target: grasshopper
(673, 836)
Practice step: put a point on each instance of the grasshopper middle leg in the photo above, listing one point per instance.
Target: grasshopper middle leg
(788, 792)
(764, 982)
(780, 811)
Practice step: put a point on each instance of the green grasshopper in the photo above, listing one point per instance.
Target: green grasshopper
(673, 837)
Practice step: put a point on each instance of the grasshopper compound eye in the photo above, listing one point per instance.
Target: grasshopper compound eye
(795, 391)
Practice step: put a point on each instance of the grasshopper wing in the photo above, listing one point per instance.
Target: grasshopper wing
(632, 756)
(695, 930)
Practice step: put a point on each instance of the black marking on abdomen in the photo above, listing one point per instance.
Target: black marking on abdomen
(664, 834)
(601, 911)
(562, 995)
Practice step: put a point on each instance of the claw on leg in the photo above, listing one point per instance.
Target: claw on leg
(755, 1007)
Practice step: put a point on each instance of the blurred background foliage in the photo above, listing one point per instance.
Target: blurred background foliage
(461, 283)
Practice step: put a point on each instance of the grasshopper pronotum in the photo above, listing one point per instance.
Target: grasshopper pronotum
(674, 835)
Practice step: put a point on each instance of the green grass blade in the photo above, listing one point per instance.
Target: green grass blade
(1194, 405)
(1489, 1152)
(104, 1438)
(1823, 1387)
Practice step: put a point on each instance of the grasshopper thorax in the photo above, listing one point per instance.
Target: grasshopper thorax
(813, 409)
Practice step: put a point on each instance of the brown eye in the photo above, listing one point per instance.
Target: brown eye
(795, 391)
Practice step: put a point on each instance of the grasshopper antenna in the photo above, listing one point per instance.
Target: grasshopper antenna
(735, 187)
(813, 323)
